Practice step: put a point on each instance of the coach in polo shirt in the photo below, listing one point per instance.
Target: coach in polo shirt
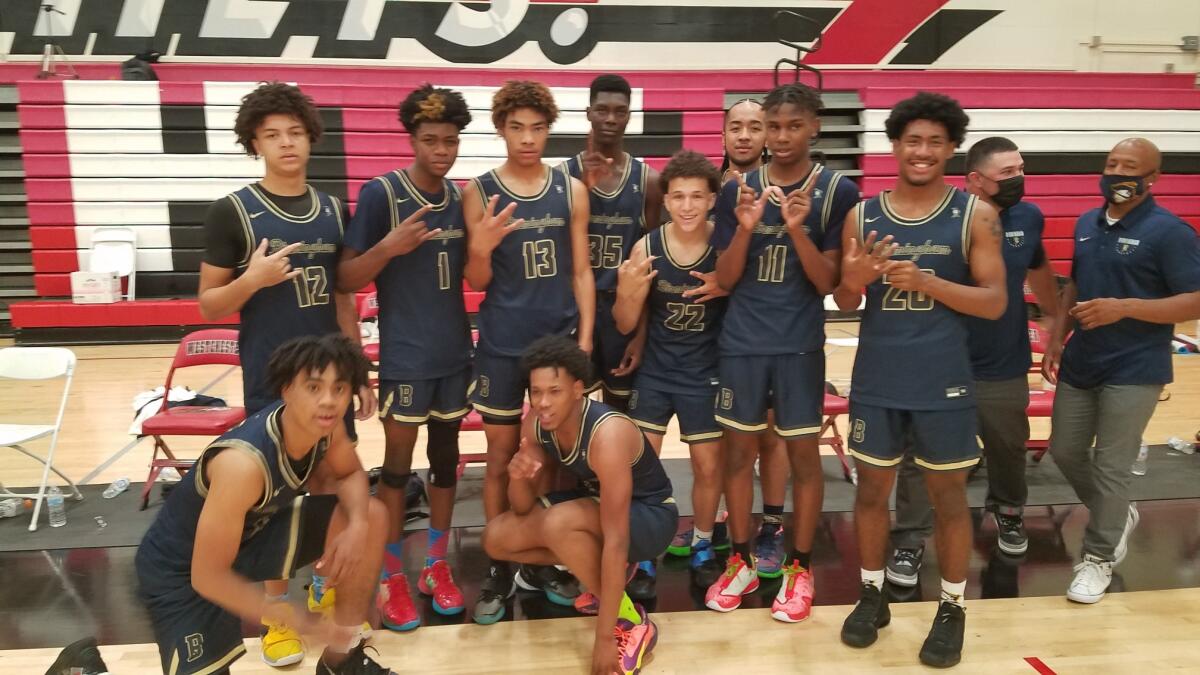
(1136, 273)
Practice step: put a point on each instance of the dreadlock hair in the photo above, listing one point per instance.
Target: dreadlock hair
(925, 105)
(523, 94)
(725, 161)
(312, 353)
(610, 83)
(435, 105)
(690, 164)
(275, 98)
(800, 95)
(556, 351)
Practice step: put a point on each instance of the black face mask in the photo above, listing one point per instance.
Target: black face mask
(1120, 189)
(1011, 190)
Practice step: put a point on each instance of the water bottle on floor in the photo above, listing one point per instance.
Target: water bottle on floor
(11, 508)
(55, 508)
(1179, 445)
(1139, 464)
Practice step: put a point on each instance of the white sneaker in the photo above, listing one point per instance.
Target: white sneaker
(1092, 577)
(1131, 521)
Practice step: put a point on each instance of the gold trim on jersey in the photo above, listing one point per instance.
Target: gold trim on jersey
(270, 205)
(244, 216)
(764, 181)
(860, 216)
(293, 538)
(236, 444)
(798, 431)
(698, 438)
(497, 412)
(875, 460)
(285, 466)
(574, 454)
(611, 414)
(725, 421)
(937, 211)
(948, 466)
(620, 184)
(337, 213)
(648, 426)
(827, 201)
(415, 193)
(972, 201)
(449, 416)
(545, 188)
(642, 182)
(666, 244)
(406, 419)
(391, 197)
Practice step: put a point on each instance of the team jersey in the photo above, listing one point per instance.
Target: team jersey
(650, 482)
(303, 305)
(617, 219)
(531, 293)
(171, 537)
(681, 340)
(775, 309)
(912, 349)
(423, 329)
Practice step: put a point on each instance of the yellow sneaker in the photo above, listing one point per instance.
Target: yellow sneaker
(324, 607)
(281, 645)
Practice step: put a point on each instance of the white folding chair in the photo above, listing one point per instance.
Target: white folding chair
(37, 363)
(114, 249)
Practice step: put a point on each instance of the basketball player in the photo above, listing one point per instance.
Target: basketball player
(1134, 275)
(243, 515)
(621, 513)
(745, 134)
(408, 236)
(780, 231)
(270, 253)
(625, 200)
(538, 281)
(1000, 360)
(912, 373)
(678, 376)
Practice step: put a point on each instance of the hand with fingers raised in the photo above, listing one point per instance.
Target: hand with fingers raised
(864, 263)
(409, 234)
(487, 232)
(633, 279)
(595, 166)
(750, 206)
(796, 207)
(266, 270)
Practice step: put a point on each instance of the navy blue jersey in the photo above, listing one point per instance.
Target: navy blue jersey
(423, 328)
(302, 306)
(775, 309)
(1150, 254)
(681, 341)
(912, 350)
(618, 219)
(1000, 348)
(531, 293)
(650, 482)
(171, 537)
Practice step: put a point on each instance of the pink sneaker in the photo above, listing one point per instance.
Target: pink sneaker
(436, 581)
(739, 579)
(586, 603)
(793, 603)
(396, 608)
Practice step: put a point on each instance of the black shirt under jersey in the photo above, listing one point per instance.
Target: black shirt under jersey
(224, 241)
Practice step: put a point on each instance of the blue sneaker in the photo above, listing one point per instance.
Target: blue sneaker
(705, 567)
(769, 550)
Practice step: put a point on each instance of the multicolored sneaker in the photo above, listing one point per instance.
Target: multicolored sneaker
(739, 579)
(769, 552)
(357, 662)
(495, 590)
(437, 582)
(634, 643)
(324, 607)
(281, 644)
(793, 603)
(560, 586)
(396, 609)
(706, 569)
(642, 585)
(587, 604)
(681, 545)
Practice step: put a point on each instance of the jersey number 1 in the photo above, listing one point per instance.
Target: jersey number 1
(771, 263)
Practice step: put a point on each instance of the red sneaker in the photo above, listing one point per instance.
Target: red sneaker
(739, 578)
(437, 582)
(588, 604)
(396, 609)
(794, 601)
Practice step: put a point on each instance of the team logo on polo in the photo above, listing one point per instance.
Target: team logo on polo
(1125, 246)
(1016, 238)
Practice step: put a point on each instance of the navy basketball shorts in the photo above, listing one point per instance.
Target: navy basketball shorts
(940, 440)
(443, 399)
(608, 349)
(197, 636)
(652, 526)
(498, 388)
(651, 409)
(791, 384)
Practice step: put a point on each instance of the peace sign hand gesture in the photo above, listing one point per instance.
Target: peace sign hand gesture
(493, 227)
(267, 270)
(797, 206)
(750, 207)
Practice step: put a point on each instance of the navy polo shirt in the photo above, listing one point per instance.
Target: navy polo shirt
(1000, 348)
(1148, 254)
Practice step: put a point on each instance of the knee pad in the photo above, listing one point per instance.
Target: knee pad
(394, 479)
(442, 450)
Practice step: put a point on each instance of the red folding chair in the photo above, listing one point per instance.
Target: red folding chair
(215, 346)
(834, 407)
(368, 308)
(1041, 401)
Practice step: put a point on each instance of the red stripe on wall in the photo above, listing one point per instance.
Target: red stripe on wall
(868, 30)
(52, 237)
(1019, 87)
(43, 140)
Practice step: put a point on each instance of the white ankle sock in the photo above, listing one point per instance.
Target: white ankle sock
(698, 534)
(873, 577)
(953, 593)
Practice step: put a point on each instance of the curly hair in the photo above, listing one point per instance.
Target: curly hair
(436, 105)
(556, 351)
(312, 353)
(523, 94)
(925, 105)
(800, 95)
(275, 98)
(689, 164)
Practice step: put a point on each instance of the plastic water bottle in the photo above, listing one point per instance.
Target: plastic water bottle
(116, 487)
(10, 508)
(54, 507)
(1139, 464)
(1179, 445)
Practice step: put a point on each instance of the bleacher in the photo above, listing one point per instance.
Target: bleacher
(151, 155)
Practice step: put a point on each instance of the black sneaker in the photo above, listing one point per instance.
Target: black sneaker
(943, 647)
(861, 628)
(81, 657)
(643, 586)
(1012, 539)
(905, 566)
(357, 663)
(706, 569)
(720, 538)
(495, 590)
(561, 587)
